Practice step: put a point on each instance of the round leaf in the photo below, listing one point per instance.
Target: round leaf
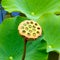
(12, 44)
(50, 24)
(32, 8)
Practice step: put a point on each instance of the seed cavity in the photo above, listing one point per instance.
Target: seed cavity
(22, 27)
(30, 31)
(28, 34)
(31, 22)
(26, 28)
(38, 32)
(27, 22)
(36, 24)
(30, 26)
(23, 31)
(34, 29)
(38, 28)
(24, 24)
(34, 34)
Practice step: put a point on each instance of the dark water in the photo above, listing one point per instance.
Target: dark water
(3, 13)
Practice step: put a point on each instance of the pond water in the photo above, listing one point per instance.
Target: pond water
(3, 13)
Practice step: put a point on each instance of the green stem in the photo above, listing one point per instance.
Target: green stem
(24, 53)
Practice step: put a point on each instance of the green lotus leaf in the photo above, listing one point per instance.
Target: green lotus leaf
(33, 9)
(12, 44)
(50, 24)
(36, 50)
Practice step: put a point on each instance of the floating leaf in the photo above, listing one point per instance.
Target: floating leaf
(12, 44)
(50, 24)
(32, 8)
(36, 50)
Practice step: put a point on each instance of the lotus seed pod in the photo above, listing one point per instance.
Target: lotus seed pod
(30, 29)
